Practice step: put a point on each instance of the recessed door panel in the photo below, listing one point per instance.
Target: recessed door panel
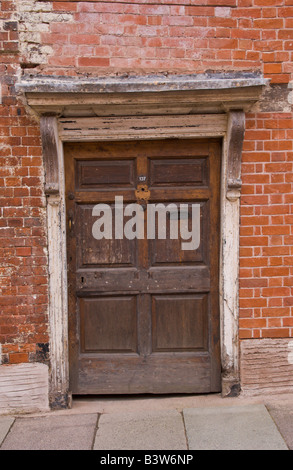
(108, 324)
(180, 322)
(178, 172)
(105, 252)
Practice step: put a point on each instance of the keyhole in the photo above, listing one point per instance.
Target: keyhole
(82, 279)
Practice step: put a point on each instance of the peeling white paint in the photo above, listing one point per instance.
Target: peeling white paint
(290, 352)
(290, 94)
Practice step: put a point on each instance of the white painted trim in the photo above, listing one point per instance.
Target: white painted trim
(229, 280)
(142, 127)
(58, 298)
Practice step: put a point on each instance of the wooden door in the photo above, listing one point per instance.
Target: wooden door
(143, 313)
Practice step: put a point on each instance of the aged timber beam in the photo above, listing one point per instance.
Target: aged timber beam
(49, 136)
(235, 137)
(59, 396)
(179, 94)
(230, 256)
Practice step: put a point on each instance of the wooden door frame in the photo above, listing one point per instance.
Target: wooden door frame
(225, 119)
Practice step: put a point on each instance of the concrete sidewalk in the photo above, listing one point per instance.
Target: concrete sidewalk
(164, 423)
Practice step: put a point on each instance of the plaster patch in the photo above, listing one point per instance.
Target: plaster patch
(35, 18)
(223, 12)
(24, 388)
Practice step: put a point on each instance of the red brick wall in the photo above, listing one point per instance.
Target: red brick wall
(105, 37)
(266, 265)
(99, 38)
(23, 260)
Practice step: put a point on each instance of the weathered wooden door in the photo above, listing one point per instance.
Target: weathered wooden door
(143, 313)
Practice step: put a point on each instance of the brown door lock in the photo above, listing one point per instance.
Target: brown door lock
(142, 193)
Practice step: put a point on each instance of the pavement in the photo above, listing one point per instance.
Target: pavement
(166, 423)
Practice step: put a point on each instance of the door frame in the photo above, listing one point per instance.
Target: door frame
(225, 119)
(229, 257)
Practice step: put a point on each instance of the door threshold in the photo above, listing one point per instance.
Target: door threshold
(133, 403)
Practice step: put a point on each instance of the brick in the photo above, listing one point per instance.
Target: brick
(253, 282)
(286, 11)
(93, 62)
(257, 134)
(85, 39)
(267, 3)
(256, 178)
(287, 322)
(256, 157)
(276, 230)
(272, 68)
(254, 200)
(223, 43)
(285, 34)
(277, 292)
(23, 251)
(277, 188)
(272, 23)
(254, 220)
(252, 303)
(16, 358)
(65, 6)
(252, 323)
(245, 333)
(280, 78)
(279, 123)
(154, 20)
(275, 333)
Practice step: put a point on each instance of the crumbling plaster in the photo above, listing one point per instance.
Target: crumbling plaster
(34, 19)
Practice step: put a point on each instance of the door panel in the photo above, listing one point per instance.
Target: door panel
(143, 313)
(179, 322)
(106, 253)
(180, 172)
(99, 329)
(94, 174)
(169, 251)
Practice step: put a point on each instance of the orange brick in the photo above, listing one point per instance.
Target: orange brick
(17, 358)
(272, 68)
(253, 323)
(276, 312)
(272, 23)
(275, 333)
(23, 251)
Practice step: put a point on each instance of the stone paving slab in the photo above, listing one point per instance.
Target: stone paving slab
(232, 428)
(283, 417)
(149, 430)
(73, 432)
(5, 424)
